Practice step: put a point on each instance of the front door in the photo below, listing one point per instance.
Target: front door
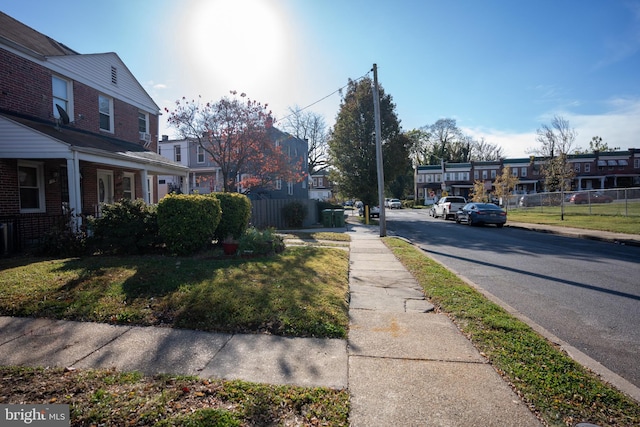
(105, 188)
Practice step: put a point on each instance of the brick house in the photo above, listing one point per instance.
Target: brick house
(594, 171)
(76, 131)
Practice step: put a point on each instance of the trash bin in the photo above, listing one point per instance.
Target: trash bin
(327, 218)
(338, 218)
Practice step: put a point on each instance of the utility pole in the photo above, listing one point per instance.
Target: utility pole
(376, 112)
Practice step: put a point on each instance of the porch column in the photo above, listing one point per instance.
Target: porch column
(185, 183)
(602, 182)
(145, 186)
(75, 200)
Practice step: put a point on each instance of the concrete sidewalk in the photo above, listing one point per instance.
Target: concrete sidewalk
(408, 365)
(402, 363)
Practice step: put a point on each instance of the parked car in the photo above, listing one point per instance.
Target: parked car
(374, 211)
(541, 199)
(583, 198)
(448, 206)
(395, 204)
(481, 213)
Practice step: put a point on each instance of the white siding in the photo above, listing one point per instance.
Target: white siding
(20, 142)
(95, 70)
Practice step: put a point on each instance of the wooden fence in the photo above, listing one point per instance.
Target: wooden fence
(268, 213)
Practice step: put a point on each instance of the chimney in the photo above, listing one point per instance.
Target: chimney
(165, 138)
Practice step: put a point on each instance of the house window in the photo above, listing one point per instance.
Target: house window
(484, 174)
(587, 167)
(176, 153)
(31, 185)
(278, 184)
(61, 96)
(200, 154)
(636, 163)
(128, 186)
(290, 188)
(493, 173)
(576, 168)
(514, 172)
(523, 172)
(143, 122)
(106, 113)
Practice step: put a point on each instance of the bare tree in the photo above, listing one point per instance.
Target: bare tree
(483, 151)
(556, 139)
(557, 143)
(312, 127)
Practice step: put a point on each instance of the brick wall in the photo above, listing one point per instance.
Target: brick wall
(25, 88)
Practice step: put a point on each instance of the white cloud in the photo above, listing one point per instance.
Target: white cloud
(618, 126)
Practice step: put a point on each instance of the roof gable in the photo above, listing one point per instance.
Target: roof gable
(107, 73)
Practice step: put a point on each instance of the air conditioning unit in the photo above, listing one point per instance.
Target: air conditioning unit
(146, 138)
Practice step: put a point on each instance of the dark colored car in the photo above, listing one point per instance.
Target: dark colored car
(481, 213)
(583, 198)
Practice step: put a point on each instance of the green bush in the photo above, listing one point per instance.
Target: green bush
(294, 214)
(64, 238)
(187, 223)
(127, 227)
(236, 213)
(265, 242)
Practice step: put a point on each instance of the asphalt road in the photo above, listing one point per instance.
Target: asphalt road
(585, 292)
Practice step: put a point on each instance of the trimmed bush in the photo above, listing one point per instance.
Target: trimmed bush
(265, 242)
(126, 227)
(236, 213)
(187, 223)
(294, 214)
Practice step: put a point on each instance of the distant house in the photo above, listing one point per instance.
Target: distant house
(76, 131)
(606, 170)
(321, 188)
(204, 175)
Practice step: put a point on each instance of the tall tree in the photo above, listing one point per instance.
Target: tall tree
(312, 127)
(596, 144)
(483, 151)
(556, 142)
(505, 183)
(352, 142)
(234, 132)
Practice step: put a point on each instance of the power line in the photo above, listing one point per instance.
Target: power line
(325, 97)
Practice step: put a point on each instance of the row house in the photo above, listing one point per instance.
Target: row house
(605, 170)
(321, 188)
(76, 131)
(204, 174)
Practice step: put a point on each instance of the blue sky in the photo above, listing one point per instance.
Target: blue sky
(501, 68)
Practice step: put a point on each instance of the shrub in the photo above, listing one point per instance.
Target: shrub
(265, 242)
(294, 214)
(127, 226)
(187, 222)
(236, 213)
(64, 238)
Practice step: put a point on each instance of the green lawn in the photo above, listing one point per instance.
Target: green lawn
(302, 292)
(603, 217)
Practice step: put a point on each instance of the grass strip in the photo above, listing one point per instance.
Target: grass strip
(556, 387)
(118, 399)
(300, 293)
(617, 223)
